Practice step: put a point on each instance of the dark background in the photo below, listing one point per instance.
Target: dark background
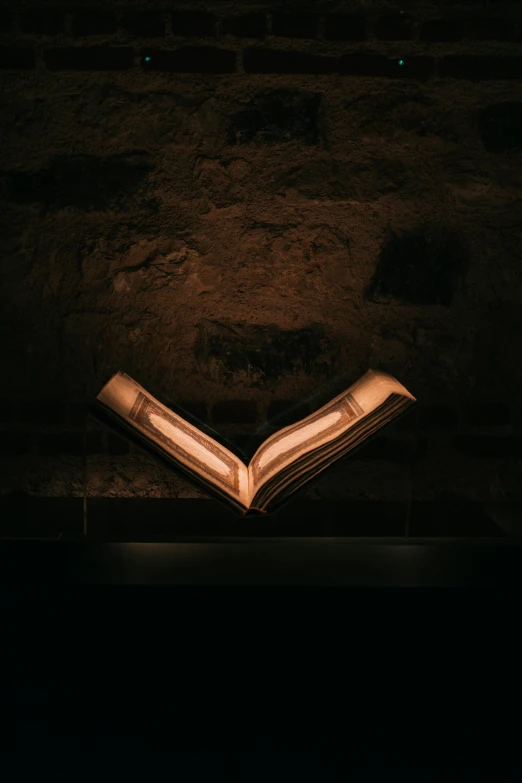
(369, 682)
(244, 206)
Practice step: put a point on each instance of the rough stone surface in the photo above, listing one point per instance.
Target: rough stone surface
(262, 353)
(85, 182)
(279, 116)
(421, 267)
(500, 127)
(228, 235)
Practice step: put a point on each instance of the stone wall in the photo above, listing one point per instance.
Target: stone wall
(246, 205)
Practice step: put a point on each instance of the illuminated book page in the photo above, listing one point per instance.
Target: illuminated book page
(182, 441)
(329, 422)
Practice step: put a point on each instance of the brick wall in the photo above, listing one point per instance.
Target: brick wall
(236, 203)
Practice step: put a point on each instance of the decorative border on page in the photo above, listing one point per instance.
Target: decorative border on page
(140, 413)
(349, 409)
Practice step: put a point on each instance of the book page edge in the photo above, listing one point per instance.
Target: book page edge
(377, 374)
(244, 497)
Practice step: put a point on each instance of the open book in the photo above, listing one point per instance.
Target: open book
(285, 461)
